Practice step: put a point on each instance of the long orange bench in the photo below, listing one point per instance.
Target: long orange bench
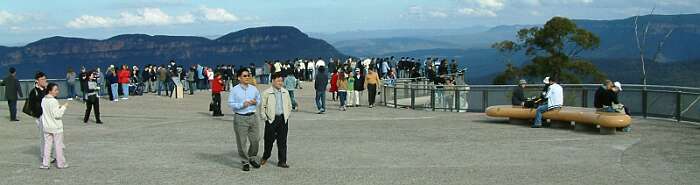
(567, 114)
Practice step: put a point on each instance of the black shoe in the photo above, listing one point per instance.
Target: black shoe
(283, 165)
(246, 167)
(536, 126)
(53, 161)
(98, 122)
(14, 120)
(254, 164)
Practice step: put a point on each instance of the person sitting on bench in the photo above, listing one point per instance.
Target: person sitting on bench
(555, 99)
(518, 98)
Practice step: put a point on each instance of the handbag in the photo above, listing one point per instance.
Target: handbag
(27, 108)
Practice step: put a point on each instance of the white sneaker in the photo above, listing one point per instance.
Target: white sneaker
(70, 99)
(125, 98)
(115, 100)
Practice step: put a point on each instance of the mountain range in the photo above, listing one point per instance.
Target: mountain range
(253, 45)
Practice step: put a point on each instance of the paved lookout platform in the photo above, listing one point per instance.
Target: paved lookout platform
(155, 140)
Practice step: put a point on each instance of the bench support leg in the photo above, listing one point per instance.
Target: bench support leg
(607, 131)
(584, 127)
(519, 121)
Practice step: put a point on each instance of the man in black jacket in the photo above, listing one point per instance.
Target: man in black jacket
(320, 84)
(35, 97)
(12, 91)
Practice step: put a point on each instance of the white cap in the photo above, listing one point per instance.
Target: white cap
(618, 85)
(546, 80)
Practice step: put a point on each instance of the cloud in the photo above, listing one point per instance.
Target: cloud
(481, 8)
(217, 14)
(10, 18)
(142, 17)
(151, 17)
(420, 13)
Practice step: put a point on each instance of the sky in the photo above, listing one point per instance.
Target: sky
(25, 21)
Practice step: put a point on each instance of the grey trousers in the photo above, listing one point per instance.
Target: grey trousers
(247, 129)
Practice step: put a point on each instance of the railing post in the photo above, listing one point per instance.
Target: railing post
(413, 98)
(432, 98)
(385, 95)
(644, 103)
(584, 98)
(457, 95)
(485, 102)
(396, 103)
(678, 106)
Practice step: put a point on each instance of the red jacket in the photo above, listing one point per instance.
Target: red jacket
(124, 76)
(334, 83)
(216, 85)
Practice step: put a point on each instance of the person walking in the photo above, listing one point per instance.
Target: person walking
(334, 85)
(93, 102)
(12, 92)
(342, 83)
(351, 89)
(371, 83)
(243, 100)
(191, 76)
(216, 88)
(320, 84)
(276, 109)
(52, 127)
(70, 82)
(359, 85)
(291, 83)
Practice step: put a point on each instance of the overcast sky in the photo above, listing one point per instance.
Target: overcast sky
(24, 21)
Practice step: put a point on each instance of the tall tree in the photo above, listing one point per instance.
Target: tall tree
(554, 49)
(511, 73)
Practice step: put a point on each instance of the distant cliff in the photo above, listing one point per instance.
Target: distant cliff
(252, 45)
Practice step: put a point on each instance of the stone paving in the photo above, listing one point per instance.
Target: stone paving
(157, 140)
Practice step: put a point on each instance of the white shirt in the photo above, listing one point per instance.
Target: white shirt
(310, 65)
(320, 63)
(555, 96)
(278, 67)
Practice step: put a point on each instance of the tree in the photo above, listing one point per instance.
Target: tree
(642, 44)
(554, 49)
(511, 73)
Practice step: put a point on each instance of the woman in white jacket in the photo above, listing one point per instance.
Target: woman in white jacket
(53, 127)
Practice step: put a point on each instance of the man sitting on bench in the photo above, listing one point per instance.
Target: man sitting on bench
(555, 99)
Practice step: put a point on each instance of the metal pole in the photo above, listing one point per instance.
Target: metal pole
(457, 95)
(644, 103)
(432, 98)
(385, 95)
(413, 98)
(485, 101)
(396, 103)
(584, 97)
(678, 106)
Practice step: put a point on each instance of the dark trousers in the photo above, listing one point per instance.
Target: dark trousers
(92, 103)
(109, 91)
(12, 104)
(192, 87)
(216, 102)
(277, 130)
(372, 90)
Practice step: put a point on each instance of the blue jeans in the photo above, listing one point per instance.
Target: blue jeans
(321, 100)
(342, 95)
(538, 116)
(293, 98)
(115, 89)
(161, 86)
(125, 90)
(71, 89)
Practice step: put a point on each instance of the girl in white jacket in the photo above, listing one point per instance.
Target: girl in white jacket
(53, 127)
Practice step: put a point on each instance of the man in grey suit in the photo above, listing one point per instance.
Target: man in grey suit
(12, 92)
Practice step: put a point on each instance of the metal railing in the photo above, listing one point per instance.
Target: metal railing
(674, 102)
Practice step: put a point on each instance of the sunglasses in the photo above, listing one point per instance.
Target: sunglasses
(244, 76)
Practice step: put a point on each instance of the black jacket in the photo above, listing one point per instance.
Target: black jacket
(604, 97)
(35, 97)
(12, 88)
(518, 96)
(321, 82)
(359, 82)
